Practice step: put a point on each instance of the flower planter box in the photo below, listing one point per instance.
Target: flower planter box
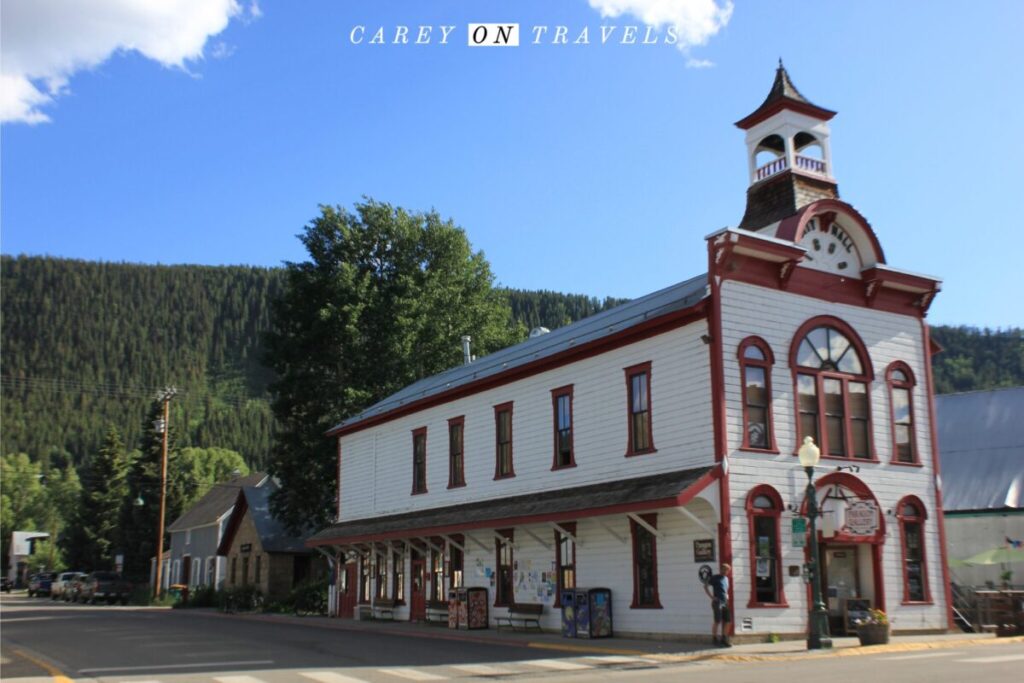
(873, 634)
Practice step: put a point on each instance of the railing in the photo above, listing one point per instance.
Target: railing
(810, 164)
(771, 168)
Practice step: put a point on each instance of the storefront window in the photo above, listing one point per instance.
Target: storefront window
(645, 562)
(915, 576)
(764, 507)
(503, 585)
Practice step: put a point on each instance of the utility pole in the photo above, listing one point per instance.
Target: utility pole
(162, 426)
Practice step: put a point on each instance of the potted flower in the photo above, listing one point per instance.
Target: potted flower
(874, 628)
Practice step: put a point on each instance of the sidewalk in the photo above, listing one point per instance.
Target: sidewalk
(669, 651)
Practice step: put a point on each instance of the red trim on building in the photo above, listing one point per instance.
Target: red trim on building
(717, 264)
(651, 519)
(775, 107)
(684, 497)
(460, 480)
(908, 385)
(792, 228)
(500, 410)
(555, 395)
(939, 517)
(766, 365)
(650, 328)
(631, 372)
(920, 518)
(776, 515)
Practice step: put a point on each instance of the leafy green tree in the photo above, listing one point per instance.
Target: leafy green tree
(209, 466)
(23, 500)
(139, 522)
(382, 301)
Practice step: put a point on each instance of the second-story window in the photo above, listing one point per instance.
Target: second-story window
(561, 400)
(419, 460)
(901, 386)
(503, 441)
(638, 386)
(756, 360)
(456, 450)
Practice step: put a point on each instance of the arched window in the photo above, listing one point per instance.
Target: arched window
(911, 515)
(832, 375)
(756, 359)
(901, 389)
(764, 507)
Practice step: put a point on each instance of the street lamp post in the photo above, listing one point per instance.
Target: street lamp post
(818, 636)
(162, 426)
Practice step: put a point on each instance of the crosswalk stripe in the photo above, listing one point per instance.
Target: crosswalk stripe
(617, 659)
(482, 669)
(920, 656)
(559, 664)
(993, 660)
(412, 674)
(237, 679)
(330, 677)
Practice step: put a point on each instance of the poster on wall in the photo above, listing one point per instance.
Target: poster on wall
(704, 550)
(764, 568)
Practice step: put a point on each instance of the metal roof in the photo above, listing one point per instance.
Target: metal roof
(216, 503)
(675, 298)
(593, 497)
(272, 532)
(981, 449)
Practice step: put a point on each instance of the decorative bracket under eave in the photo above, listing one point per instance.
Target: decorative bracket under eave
(871, 288)
(786, 271)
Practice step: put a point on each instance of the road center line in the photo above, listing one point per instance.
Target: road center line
(412, 674)
(993, 660)
(195, 665)
(920, 656)
(330, 677)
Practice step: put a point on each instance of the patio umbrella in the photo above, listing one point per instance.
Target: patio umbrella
(999, 555)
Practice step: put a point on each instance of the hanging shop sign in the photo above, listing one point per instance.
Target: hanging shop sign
(861, 518)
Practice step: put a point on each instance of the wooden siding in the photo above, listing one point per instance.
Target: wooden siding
(376, 464)
(888, 337)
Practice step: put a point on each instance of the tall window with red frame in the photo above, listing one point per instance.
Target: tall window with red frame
(437, 575)
(832, 393)
(419, 460)
(638, 388)
(503, 441)
(456, 448)
(503, 584)
(764, 508)
(756, 359)
(561, 404)
(911, 518)
(901, 387)
(398, 577)
(455, 556)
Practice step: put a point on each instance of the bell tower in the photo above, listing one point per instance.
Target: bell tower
(788, 155)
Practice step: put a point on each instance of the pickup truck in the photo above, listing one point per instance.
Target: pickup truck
(104, 585)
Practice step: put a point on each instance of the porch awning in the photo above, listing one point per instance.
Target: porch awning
(672, 489)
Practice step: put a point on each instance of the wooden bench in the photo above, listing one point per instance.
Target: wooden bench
(524, 613)
(437, 611)
(384, 609)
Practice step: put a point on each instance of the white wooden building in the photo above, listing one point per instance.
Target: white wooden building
(629, 449)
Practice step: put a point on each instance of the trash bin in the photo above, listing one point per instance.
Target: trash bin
(587, 613)
(178, 591)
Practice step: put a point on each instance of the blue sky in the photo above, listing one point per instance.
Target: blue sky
(597, 169)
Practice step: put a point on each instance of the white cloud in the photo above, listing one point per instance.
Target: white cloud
(43, 43)
(222, 50)
(696, 21)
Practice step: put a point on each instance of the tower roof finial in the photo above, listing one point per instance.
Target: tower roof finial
(784, 95)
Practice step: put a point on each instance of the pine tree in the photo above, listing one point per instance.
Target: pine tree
(103, 498)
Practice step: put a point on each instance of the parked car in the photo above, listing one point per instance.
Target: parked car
(62, 584)
(104, 585)
(74, 588)
(6, 584)
(40, 583)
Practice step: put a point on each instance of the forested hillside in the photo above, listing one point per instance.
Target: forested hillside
(86, 345)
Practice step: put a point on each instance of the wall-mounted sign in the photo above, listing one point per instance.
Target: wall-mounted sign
(861, 518)
(799, 531)
(704, 550)
(245, 548)
(705, 574)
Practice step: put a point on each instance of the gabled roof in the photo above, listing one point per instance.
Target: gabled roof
(535, 351)
(255, 501)
(216, 503)
(783, 95)
(668, 489)
(981, 449)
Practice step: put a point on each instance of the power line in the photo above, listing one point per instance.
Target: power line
(112, 390)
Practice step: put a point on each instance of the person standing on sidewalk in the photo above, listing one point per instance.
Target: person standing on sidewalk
(717, 589)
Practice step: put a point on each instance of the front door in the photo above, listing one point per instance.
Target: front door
(418, 593)
(186, 573)
(348, 588)
(840, 583)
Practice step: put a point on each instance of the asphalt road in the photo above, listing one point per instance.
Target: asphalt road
(41, 639)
